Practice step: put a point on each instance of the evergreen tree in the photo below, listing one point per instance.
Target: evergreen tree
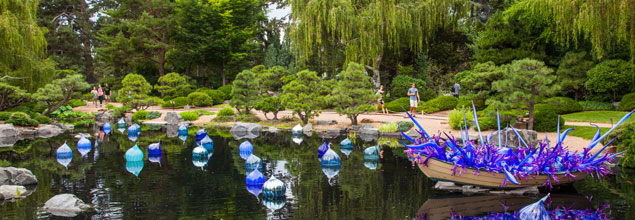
(479, 79)
(134, 92)
(304, 93)
(172, 84)
(353, 94)
(11, 96)
(572, 73)
(58, 92)
(245, 92)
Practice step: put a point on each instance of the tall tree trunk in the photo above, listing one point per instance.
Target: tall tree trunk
(85, 26)
(376, 75)
(66, 98)
(353, 119)
(222, 73)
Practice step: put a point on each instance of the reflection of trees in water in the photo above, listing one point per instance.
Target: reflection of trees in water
(617, 190)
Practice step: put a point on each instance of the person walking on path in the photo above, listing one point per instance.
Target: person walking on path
(107, 93)
(455, 90)
(94, 92)
(380, 101)
(414, 99)
(100, 93)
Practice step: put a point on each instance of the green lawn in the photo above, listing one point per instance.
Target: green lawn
(597, 116)
(586, 132)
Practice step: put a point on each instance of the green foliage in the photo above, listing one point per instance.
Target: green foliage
(395, 106)
(400, 85)
(611, 78)
(564, 105)
(465, 101)
(406, 125)
(596, 106)
(189, 116)
(4, 163)
(572, 72)
(271, 80)
(223, 118)
(247, 118)
(204, 112)
(152, 115)
(487, 123)
(67, 112)
(226, 112)
(42, 119)
(217, 96)
(440, 103)
(353, 94)
(479, 80)
(121, 111)
(110, 107)
(134, 92)
(245, 92)
(270, 104)
(5, 115)
(388, 127)
(597, 116)
(546, 119)
(172, 84)
(227, 90)
(11, 96)
(455, 118)
(22, 119)
(140, 115)
(627, 103)
(58, 92)
(624, 141)
(304, 94)
(200, 99)
(76, 103)
(179, 102)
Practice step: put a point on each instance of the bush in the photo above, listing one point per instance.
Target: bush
(486, 123)
(140, 115)
(388, 127)
(179, 102)
(546, 119)
(400, 85)
(42, 119)
(395, 106)
(440, 103)
(223, 119)
(466, 101)
(226, 112)
(152, 115)
(627, 103)
(200, 99)
(5, 115)
(217, 96)
(455, 118)
(189, 116)
(247, 118)
(22, 119)
(564, 105)
(625, 141)
(227, 91)
(110, 107)
(596, 106)
(406, 125)
(76, 103)
(120, 111)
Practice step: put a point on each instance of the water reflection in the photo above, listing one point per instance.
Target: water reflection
(64, 155)
(245, 149)
(84, 146)
(207, 143)
(371, 157)
(199, 157)
(274, 203)
(134, 167)
(200, 134)
(183, 138)
(274, 188)
(252, 163)
(297, 138)
(107, 128)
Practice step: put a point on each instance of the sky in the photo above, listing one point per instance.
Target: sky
(272, 12)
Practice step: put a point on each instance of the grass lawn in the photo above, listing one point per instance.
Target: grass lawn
(597, 116)
(205, 112)
(586, 132)
(221, 106)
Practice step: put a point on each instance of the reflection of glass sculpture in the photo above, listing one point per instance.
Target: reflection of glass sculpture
(245, 149)
(346, 149)
(155, 158)
(297, 139)
(134, 154)
(274, 204)
(255, 181)
(183, 130)
(107, 128)
(371, 164)
(331, 171)
(371, 153)
(252, 163)
(133, 132)
(154, 149)
(323, 148)
(346, 142)
(207, 143)
(199, 157)
(64, 155)
(200, 134)
(330, 158)
(134, 167)
(83, 145)
(121, 124)
(273, 188)
(297, 130)
(254, 189)
(132, 136)
(183, 138)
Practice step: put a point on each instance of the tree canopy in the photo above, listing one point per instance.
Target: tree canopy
(353, 94)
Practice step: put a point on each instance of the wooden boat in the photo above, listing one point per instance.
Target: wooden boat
(443, 207)
(438, 170)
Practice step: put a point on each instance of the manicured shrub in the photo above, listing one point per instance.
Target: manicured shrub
(395, 106)
(406, 125)
(440, 103)
(179, 102)
(486, 123)
(5, 115)
(22, 119)
(466, 102)
(42, 119)
(76, 103)
(140, 115)
(110, 107)
(120, 111)
(200, 99)
(226, 112)
(564, 105)
(247, 118)
(627, 103)
(217, 96)
(546, 119)
(596, 106)
(189, 116)
(400, 85)
(455, 118)
(625, 141)
(153, 114)
(227, 91)
(388, 127)
(223, 119)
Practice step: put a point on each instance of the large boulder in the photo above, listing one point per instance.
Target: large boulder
(173, 118)
(172, 130)
(307, 128)
(7, 130)
(47, 131)
(12, 192)
(65, 205)
(16, 176)
(245, 130)
(104, 116)
(9, 141)
(529, 136)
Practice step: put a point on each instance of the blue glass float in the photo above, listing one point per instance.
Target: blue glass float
(273, 188)
(133, 136)
(135, 128)
(254, 189)
(245, 149)
(200, 134)
(84, 145)
(535, 210)
(297, 130)
(121, 123)
(199, 157)
(253, 162)
(64, 155)
(107, 128)
(346, 142)
(297, 139)
(183, 138)
(134, 154)
(323, 148)
(274, 203)
(183, 130)
(255, 177)
(330, 158)
(331, 171)
(371, 153)
(154, 149)
(207, 143)
(134, 167)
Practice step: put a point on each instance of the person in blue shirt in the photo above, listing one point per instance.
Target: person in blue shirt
(414, 99)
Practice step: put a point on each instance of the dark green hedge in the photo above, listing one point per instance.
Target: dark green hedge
(627, 103)
(546, 119)
(395, 106)
(564, 105)
(440, 103)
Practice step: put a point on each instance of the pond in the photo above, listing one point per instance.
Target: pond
(173, 186)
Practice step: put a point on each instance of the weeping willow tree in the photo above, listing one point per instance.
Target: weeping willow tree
(365, 30)
(605, 23)
(22, 45)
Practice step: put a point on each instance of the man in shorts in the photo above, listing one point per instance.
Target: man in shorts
(414, 99)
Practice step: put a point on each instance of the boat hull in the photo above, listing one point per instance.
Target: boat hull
(441, 171)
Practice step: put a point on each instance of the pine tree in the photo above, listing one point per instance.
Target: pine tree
(353, 94)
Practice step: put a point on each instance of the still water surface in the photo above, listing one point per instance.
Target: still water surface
(172, 187)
